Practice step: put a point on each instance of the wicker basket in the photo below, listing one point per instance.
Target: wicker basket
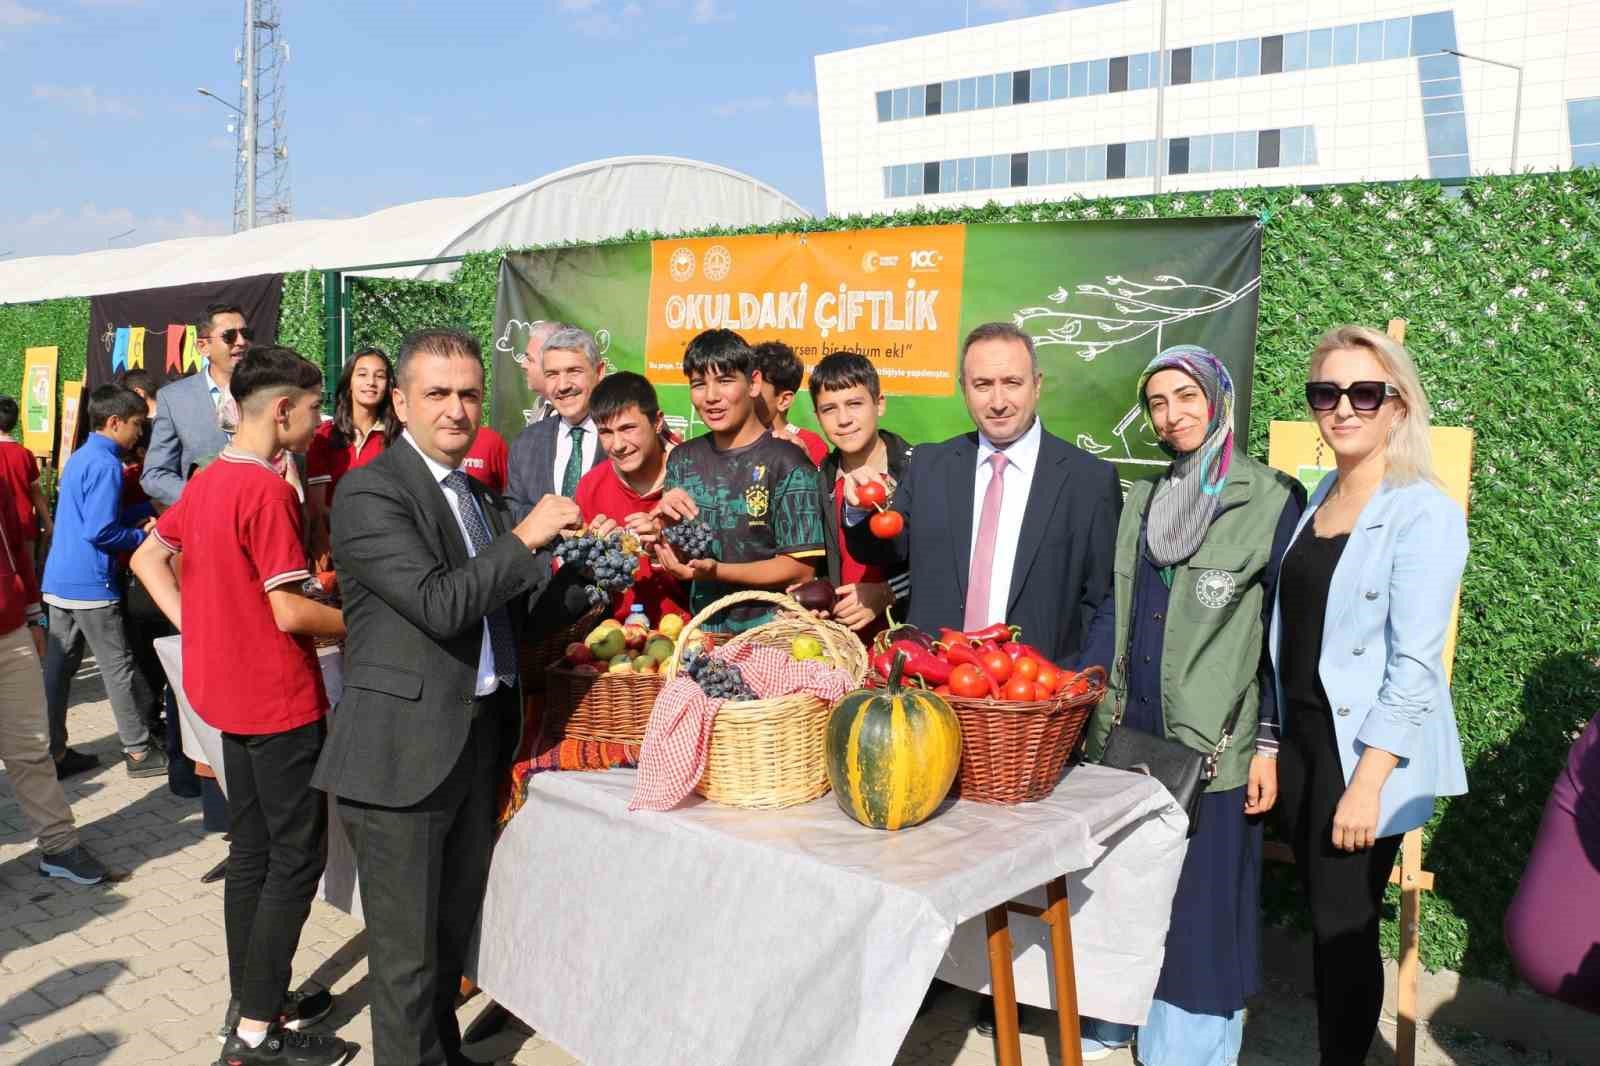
(534, 657)
(610, 707)
(768, 754)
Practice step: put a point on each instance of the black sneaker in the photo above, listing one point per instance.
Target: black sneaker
(153, 763)
(75, 864)
(75, 762)
(300, 1010)
(285, 1048)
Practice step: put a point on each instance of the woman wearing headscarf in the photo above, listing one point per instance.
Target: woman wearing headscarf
(1183, 641)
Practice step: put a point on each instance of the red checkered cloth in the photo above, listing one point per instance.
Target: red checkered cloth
(679, 733)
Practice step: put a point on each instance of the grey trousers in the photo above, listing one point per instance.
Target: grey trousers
(102, 628)
(24, 748)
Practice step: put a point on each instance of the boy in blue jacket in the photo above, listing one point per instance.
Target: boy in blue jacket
(83, 582)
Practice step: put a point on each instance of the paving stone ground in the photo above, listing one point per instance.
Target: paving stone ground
(136, 971)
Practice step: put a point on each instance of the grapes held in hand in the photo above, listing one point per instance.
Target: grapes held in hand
(691, 540)
(610, 561)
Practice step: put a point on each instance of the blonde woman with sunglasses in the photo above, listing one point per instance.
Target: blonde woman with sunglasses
(1368, 732)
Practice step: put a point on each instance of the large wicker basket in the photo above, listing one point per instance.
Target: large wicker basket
(534, 657)
(768, 754)
(590, 706)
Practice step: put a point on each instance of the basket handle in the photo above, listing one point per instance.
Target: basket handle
(777, 599)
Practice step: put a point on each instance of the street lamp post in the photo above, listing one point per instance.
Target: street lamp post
(1516, 115)
(249, 155)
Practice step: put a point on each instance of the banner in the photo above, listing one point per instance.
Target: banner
(71, 408)
(39, 401)
(1100, 300)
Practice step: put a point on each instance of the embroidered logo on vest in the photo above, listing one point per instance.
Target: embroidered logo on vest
(1214, 588)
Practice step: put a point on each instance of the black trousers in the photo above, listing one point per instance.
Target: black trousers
(278, 847)
(423, 870)
(1344, 889)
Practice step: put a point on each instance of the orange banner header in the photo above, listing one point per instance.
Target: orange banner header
(893, 295)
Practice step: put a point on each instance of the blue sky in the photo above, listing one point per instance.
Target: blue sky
(390, 101)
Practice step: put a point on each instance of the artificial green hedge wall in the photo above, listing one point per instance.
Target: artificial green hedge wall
(1500, 279)
(63, 323)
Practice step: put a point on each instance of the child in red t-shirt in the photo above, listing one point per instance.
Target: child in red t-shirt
(251, 670)
(781, 374)
(626, 489)
(19, 483)
(488, 460)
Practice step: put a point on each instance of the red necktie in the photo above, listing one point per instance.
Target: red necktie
(982, 568)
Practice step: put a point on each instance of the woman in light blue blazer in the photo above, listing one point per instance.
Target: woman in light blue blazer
(1368, 732)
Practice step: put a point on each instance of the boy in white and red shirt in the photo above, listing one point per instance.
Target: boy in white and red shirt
(488, 460)
(250, 669)
(626, 489)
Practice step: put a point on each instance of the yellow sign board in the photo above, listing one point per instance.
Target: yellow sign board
(1296, 448)
(39, 400)
(71, 409)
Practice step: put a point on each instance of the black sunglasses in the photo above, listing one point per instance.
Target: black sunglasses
(228, 335)
(1364, 395)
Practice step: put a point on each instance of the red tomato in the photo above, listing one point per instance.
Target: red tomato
(886, 525)
(1040, 692)
(1026, 668)
(1049, 677)
(1018, 689)
(872, 494)
(942, 690)
(1066, 680)
(968, 682)
(998, 665)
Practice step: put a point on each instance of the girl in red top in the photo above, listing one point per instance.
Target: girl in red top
(362, 423)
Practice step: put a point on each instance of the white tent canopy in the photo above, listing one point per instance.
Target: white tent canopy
(588, 202)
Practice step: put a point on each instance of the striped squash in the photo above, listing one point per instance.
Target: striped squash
(892, 753)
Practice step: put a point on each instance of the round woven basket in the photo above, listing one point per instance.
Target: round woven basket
(534, 657)
(608, 707)
(768, 754)
(1016, 752)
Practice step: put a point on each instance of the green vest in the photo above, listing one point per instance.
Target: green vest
(1212, 648)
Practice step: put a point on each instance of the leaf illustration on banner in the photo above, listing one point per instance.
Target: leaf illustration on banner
(1136, 311)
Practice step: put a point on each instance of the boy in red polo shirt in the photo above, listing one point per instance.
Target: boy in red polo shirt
(781, 374)
(250, 668)
(488, 460)
(626, 489)
(19, 476)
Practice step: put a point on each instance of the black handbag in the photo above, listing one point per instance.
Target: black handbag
(1183, 771)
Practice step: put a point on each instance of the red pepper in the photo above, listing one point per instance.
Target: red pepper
(951, 637)
(882, 662)
(1016, 650)
(997, 632)
(956, 654)
(922, 662)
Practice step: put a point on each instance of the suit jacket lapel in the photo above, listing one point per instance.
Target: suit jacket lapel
(963, 476)
(1049, 478)
(545, 457)
(419, 479)
(1344, 588)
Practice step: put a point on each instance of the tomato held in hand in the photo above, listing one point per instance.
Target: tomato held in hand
(872, 494)
(997, 664)
(1018, 690)
(968, 682)
(887, 525)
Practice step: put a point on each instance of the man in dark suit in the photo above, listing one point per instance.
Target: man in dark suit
(551, 455)
(438, 585)
(1026, 522)
(185, 429)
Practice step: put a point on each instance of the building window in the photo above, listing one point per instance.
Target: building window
(914, 179)
(1019, 169)
(1344, 46)
(1222, 151)
(1583, 130)
(1119, 74)
(986, 92)
(902, 103)
(1267, 152)
(1370, 49)
(1182, 66)
(1178, 155)
(1224, 60)
(964, 175)
(1433, 33)
(1139, 159)
(1250, 57)
(1039, 85)
(950, 97)
(1077, 163)
(969, 94)
(1290, 147)
(1099, 76)
(1078, 79)
(1310, 145)
(983, 172)
(1272, 54)
(918, 100)
(1019, 86)
(1058, 82)
(1002, 90)
(947, 175)
(1294, 51)
(885, 106)
(1244, 150)
(898, 186)
(934, 94)
(1397, 38)
(1116, 161)
(1319, 49)
(930, 177)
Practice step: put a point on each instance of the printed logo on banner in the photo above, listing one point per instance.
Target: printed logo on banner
(872, 261)
(682, 264)
(926, 259)
(718, 262)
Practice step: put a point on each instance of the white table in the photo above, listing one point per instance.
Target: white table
(711, 936)
(202, 742)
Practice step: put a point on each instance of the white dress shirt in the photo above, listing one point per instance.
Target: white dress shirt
(487, 681)
(591, 441)
(1022, 456)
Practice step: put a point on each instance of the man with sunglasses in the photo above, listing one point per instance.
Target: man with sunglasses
(186, 429)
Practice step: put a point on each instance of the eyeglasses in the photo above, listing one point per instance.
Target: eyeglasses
(228, 336)
(1364, 395)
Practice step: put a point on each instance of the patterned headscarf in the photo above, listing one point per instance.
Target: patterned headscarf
(1186, 497)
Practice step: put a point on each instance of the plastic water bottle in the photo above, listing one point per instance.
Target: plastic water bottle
(637, 615)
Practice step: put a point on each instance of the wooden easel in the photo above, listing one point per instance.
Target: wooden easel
(1292, 442)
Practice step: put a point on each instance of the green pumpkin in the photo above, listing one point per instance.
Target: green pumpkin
(892, 753)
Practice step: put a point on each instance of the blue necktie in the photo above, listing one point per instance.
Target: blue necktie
(501, 644)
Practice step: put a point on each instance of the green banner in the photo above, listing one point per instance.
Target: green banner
(1099, 298)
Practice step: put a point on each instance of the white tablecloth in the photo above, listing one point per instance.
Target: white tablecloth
(202, 742)
(711, 936)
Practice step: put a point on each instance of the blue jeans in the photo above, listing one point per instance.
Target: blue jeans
(1172, 1036)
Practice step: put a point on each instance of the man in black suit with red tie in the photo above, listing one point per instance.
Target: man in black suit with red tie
(1026, 521)
(438, 586)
